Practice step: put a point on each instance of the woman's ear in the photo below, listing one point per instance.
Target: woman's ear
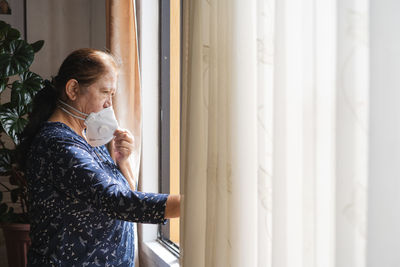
(71, 89)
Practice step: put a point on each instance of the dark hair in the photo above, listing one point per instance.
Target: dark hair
(84, 65)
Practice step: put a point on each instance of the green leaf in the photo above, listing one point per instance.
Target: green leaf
(5, 161)
(17, 58)
(13, 34)
(20, 94)
(37, 45)
(7, 105)
(31, 82)
(3, 84)
(4, 28)
(8, 34)
(12, 121)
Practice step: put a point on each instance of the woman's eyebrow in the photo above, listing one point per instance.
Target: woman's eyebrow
(108, 88)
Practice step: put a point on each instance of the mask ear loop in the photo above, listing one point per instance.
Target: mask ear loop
(73, 115)
(74, 109)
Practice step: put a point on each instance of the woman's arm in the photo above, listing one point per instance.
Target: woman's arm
(80, 176)
(172, 210)
(122, 147)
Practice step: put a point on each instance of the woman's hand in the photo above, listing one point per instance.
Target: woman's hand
(173, 208)
(122, 146)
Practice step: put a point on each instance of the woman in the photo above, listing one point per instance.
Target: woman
(81, 194)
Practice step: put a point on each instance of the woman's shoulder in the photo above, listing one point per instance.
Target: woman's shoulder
(58, 133)
(55, 130)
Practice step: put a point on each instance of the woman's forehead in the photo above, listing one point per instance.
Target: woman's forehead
(109, 79)
(104, 84)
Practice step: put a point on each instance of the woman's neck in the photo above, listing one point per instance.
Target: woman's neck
(75, 124)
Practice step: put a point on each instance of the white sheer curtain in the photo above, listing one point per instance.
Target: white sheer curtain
(274, 148)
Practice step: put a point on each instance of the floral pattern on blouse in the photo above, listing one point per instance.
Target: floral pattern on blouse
(80, 205)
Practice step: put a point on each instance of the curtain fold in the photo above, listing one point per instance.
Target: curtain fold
(274, 139)
(123, 44)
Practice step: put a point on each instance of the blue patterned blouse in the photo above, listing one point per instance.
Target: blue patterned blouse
(81, 206)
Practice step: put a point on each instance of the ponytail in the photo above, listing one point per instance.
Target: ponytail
(44, 104)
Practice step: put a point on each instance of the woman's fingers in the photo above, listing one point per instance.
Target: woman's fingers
(123, 144)
(123, 135)
(124, 148)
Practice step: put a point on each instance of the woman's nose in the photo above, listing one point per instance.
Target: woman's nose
(108, 103)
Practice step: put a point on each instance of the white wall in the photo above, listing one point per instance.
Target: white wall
(64, 25)
(384, 160)
(149, 67)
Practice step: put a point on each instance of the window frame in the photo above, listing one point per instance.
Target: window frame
(164, 104)
(163, 235)
(152, 252)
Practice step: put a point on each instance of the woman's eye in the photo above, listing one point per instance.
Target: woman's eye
(111, 93)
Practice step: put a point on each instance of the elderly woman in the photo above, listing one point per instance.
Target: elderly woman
(81, 193)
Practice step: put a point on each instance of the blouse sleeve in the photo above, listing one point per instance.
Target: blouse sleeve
(78, 174)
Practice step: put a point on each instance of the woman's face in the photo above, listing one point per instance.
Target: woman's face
(98, 95)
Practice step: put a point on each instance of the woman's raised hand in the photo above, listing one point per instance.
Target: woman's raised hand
(122, 145)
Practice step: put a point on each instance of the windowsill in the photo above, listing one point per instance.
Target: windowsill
(159, 255)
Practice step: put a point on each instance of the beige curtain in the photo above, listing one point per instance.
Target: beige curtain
(219, 134)
(274, 140)
(122, 43)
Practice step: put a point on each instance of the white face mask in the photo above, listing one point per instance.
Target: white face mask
(100, 126)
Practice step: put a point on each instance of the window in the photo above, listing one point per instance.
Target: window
(170, 28)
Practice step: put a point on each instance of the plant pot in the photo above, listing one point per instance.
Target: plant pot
(17, 243)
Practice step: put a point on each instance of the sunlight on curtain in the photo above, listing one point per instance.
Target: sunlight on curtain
(122, 43)
(274, 133)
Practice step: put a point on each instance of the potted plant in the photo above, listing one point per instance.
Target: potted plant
(16, 57)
